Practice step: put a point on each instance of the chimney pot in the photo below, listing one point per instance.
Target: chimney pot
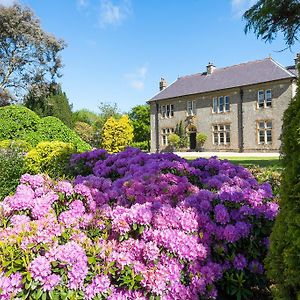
(162, 84)
(210, 68)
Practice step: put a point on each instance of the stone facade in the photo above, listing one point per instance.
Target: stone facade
(246, 126)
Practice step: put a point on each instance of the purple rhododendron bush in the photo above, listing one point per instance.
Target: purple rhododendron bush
(136, 226)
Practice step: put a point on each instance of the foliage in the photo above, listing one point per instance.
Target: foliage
(174, 141)
(86, 116)
(18, 122)
(28, 55)
(107, 110)
(117, 134)
(15, 120)
(140, 119)
(11, 169)
(268, 17)
(51, 158)
(268, 174)
(18, 145)
(144, 146)
(85, 131)
(201, 139)
(52, 101)
(139, 227)
(283, 260)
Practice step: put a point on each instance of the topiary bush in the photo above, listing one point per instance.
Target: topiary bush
(137, 227)
(174, 141)
(51, 158)
(15, 120)
(18, 122)
(283, 261)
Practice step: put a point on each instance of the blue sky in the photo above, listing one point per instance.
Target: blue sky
(118, 49)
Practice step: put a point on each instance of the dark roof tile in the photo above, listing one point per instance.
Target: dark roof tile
(234, 76)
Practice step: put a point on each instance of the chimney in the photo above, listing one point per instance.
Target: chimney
(210, 68)
(162, 84)
(297, 60)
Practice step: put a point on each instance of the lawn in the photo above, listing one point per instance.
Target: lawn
(247, 161)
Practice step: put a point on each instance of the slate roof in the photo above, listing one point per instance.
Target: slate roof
(252, 72)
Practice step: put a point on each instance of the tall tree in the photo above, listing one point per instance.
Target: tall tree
(268, 17)
(52, 102)
(28, 55)
(140, 118)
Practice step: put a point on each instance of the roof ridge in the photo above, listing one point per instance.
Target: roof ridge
(282, 67)
(227, 67)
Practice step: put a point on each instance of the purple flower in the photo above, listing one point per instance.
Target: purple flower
(239, 262)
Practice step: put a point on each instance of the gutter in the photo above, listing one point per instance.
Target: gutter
(241, 122)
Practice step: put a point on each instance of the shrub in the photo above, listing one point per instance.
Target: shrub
(11, 169)
(85, 131)
(201, 139)
(283, 261)
(15, 121)
(139, 227)
(144, 146)
(117, 134)
(270, 175)
(17, 145)
(51, 158)
(18, 122)
(174, 140)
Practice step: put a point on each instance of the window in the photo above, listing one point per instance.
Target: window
(167, 111)
(221, 104)
(221, 134)
(264, 132)
(165, 133)
(215, 105)
(191, 108)
(264, 98)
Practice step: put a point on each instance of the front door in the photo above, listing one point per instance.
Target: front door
(193, 140)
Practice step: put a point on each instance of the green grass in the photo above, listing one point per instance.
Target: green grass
(247, 161)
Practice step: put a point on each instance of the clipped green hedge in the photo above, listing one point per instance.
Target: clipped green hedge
(19, 122)
(283, 262)
(51, 158)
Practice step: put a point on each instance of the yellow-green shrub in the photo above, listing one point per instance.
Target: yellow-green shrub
(51, 158)
(117, 134)
(18, 145)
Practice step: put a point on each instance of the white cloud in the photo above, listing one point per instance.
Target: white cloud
(114, 13)
(240, 6)
(137, 79)
(8, 2)
(82, 3)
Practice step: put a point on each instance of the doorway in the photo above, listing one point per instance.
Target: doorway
(193, 140)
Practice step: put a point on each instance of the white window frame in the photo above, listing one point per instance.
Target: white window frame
(221, 104)
(191, 108)
(165, 132)
(167, 111)
(264, 130)
(264, 98)
(221, 134)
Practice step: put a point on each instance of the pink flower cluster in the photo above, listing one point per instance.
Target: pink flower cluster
(138, 226)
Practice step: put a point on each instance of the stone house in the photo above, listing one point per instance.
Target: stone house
(239, 108)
